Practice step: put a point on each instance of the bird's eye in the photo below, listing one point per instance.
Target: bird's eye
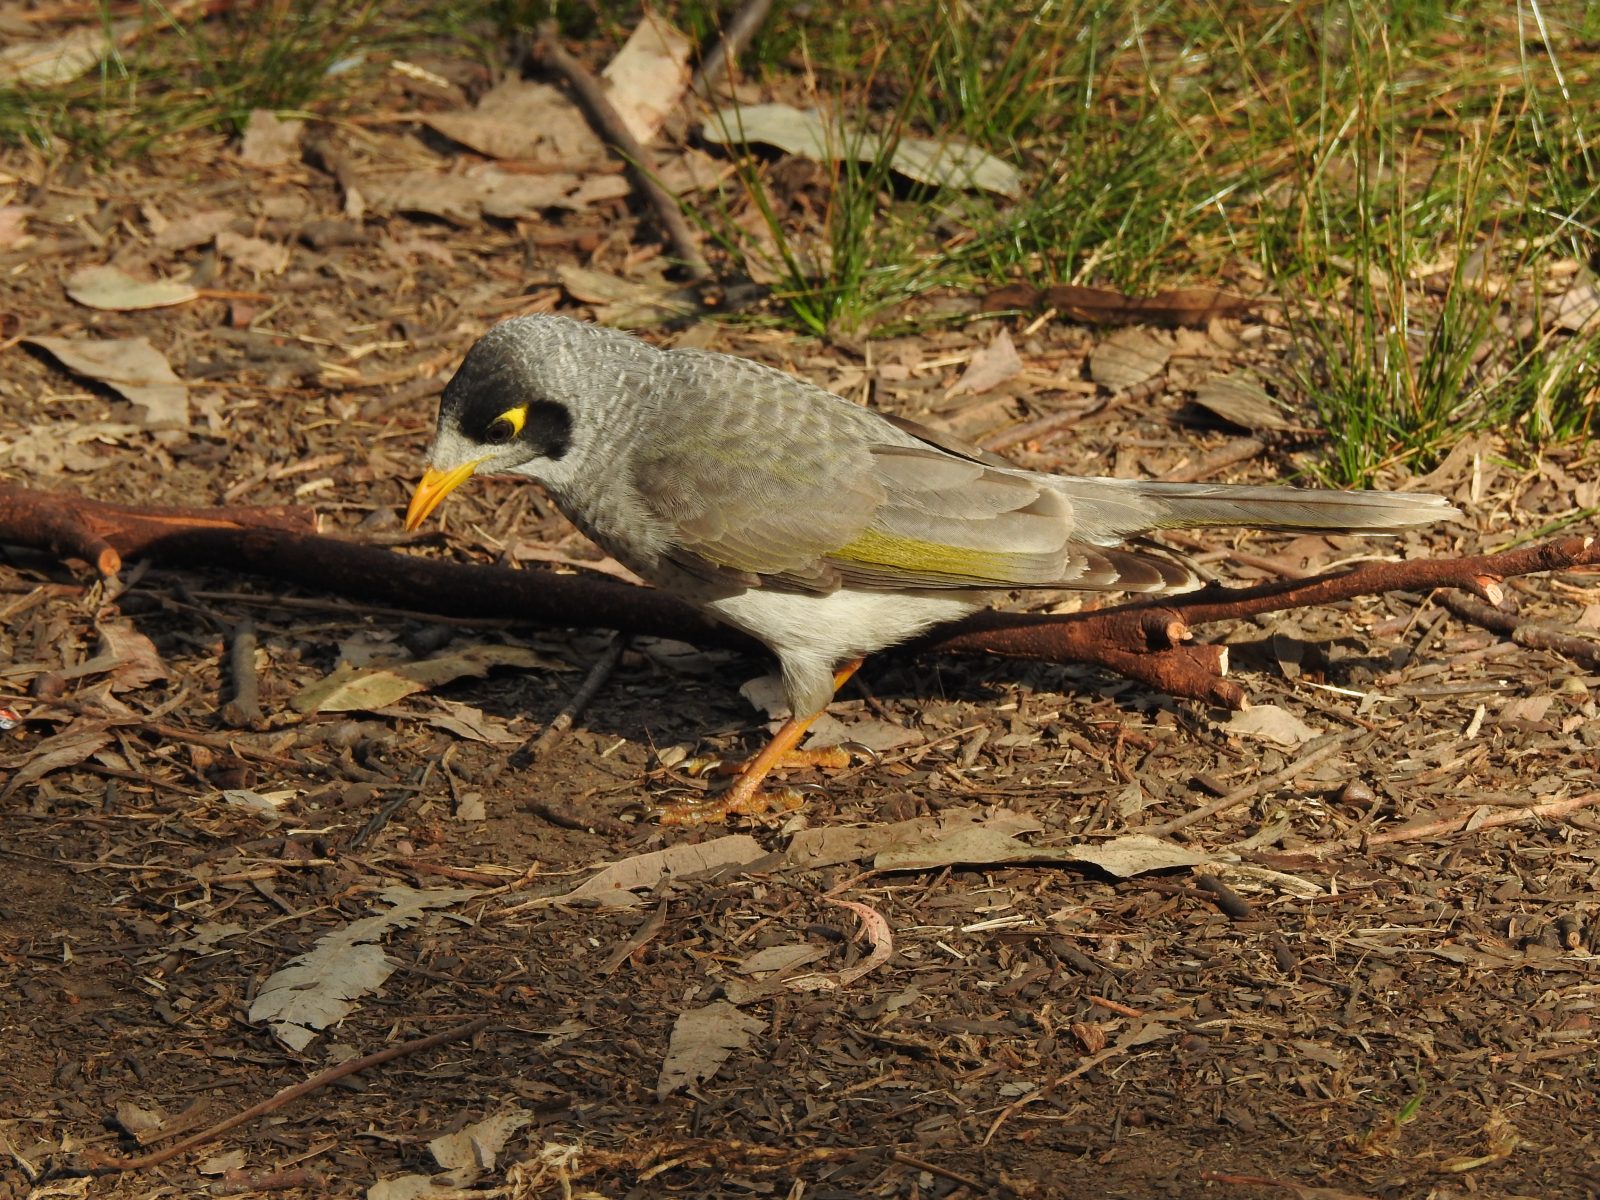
(506, 426)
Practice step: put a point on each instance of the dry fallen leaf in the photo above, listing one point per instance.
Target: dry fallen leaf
(1126, 856)
(520, 119)
(989, 368)
(467, 197)
(1577, 308)
(878, 935)
(55, 61)
(112, 290)
(422, 1187)
(13, 224)
(627, 303)
(830, 845)
(1195, 307)
(1272, 724)
(136, 662)
(131, 366)
(318, 988)
(77, 742)
(473, 1149)
(1127, 358)
(1240, 400)
(702, 1039)
(811, 134)
(616, 883)
(471, 723)
(649, 75)
(49, 448)
(1526, 709)
(351, 689)
(779, 958)
(191, 229)
(270, 140)
(256, 255)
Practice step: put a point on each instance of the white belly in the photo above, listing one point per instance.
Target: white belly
(812, 635)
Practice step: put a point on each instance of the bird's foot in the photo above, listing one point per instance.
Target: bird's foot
(746, 797)
(834, 758)
(735, 802)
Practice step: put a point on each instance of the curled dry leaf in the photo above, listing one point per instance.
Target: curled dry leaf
(51, 62)
(270, 140)
(473, 1149)
(532, 122)
(1240, 400)
(134, 660)
(256, 255)
(75, 744)
(875, 929)
(486, 190)
(1272, 724)
(471, 723)
(627, 303)
(13, 224)
(828, 846)
(1127, 358)
(50, 448)
(1194, 307)
(1127, 856)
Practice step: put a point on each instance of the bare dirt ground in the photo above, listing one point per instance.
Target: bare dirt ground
(1403, 1019)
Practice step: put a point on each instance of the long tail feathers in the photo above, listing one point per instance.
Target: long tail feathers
(1108, 510)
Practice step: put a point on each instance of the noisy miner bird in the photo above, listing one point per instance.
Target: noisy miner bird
(823, 529)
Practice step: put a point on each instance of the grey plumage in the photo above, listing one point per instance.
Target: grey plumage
(821, 528)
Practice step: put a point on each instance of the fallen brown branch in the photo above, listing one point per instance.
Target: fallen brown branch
(1524, 633)
(1147, 640)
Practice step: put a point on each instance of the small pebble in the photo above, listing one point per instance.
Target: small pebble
(1356, 792)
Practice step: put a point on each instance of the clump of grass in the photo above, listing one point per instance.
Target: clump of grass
(994, 77)
(175, 74)
(1405, 176)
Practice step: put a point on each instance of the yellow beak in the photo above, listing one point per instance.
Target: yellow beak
(435, 486)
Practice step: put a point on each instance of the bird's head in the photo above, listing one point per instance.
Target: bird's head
(503, 413)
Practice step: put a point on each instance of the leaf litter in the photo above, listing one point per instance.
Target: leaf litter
(130, 883)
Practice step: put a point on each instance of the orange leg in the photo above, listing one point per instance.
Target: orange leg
(745, 797)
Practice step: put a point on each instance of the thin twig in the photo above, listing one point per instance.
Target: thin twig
(592, 683)
(933, 1168)
(1237, 451)
(290, 1094)
(549, 53)
(1320, 749)
(736, 35)
(1427, 827)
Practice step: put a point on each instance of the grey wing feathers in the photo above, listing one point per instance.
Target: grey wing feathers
(756, 490)
(769, 481)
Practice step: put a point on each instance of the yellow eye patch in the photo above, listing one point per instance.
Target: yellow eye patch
(515, 417)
